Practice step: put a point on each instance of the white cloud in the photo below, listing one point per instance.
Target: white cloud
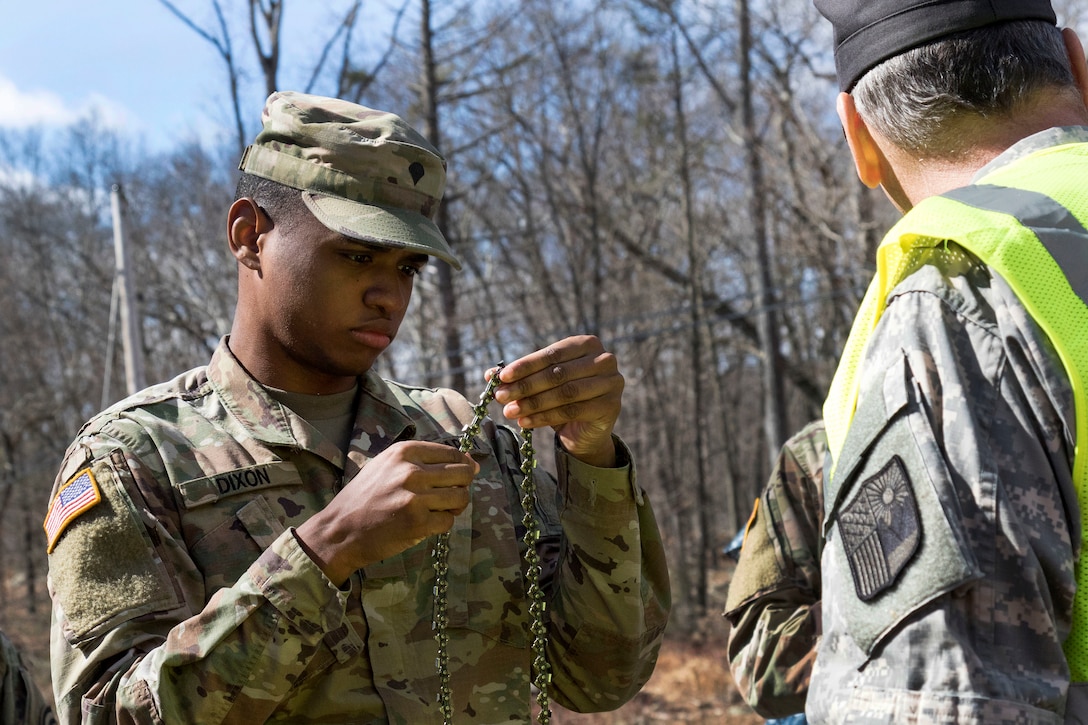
(23, 109)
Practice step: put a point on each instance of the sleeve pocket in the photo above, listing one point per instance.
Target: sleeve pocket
(892, 514)
(105, 569)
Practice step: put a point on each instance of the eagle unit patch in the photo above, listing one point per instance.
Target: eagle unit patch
(880, 529)
(79, 494)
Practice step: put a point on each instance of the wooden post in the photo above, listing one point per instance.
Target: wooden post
(131, 339)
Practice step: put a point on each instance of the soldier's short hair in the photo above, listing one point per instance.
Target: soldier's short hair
(923, 99)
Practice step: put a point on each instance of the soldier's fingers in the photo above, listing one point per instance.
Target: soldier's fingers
(548, 359)
(432, 453)
(453, 499)
(602, 410)
(575, 397)
(568, 377)
(445, 475)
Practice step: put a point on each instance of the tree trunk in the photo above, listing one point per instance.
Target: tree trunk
(695, 263)
(774, 410)
(455, 364)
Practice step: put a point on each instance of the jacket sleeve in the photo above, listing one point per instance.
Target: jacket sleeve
(773, 605)
(133, 641)
(605, 578)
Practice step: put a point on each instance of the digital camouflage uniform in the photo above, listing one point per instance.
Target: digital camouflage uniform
(183, 596)
(21, 703)
(964, 420)
(773, 604)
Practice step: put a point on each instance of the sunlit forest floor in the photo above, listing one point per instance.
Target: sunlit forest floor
(691, 683)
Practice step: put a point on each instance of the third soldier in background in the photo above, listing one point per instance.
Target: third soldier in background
(773, 605)
(21, 702)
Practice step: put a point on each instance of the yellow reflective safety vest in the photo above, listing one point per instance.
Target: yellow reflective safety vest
(1028, 221)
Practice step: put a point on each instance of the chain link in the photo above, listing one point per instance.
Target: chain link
(541, 670)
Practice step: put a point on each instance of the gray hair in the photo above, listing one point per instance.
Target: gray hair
(921, 100)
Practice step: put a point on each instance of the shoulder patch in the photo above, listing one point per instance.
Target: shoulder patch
(78, 495)
(881, 529)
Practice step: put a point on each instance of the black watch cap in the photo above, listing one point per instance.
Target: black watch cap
(868, 32)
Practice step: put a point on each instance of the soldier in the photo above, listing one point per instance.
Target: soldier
(957, 420)
(21, 703)
(251, 542)
(773, 605)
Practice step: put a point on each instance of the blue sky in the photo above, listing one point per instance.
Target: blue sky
(132, 61)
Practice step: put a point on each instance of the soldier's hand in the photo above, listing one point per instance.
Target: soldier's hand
(410, 491)
(575, 387)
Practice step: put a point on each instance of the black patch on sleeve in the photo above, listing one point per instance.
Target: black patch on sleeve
(881, 529)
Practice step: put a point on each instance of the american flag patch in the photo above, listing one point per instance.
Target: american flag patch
(79, 494)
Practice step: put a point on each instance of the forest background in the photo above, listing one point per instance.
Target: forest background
(669, 175)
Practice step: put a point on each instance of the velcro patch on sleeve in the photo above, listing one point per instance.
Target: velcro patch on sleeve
(78, 495)
(758, 571)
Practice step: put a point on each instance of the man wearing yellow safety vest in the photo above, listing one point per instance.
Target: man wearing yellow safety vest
(958, 418)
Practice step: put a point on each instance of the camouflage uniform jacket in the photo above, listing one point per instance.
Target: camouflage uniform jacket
(773, 605)
(21, 703)
(958, 463)
(185, 597)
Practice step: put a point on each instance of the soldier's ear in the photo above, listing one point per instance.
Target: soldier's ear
(247, 222)
(1075, 50)
(864, 149)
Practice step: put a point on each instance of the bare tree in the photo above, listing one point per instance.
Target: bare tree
(695, 263)
(429, 100)
(774, 413)
(265, 25)
(220, 38)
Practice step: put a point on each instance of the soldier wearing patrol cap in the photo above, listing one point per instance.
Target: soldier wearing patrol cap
(957, 421)
(251, 541)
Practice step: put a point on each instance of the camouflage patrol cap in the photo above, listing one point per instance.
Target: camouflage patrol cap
(363, 173)
(868, 32)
